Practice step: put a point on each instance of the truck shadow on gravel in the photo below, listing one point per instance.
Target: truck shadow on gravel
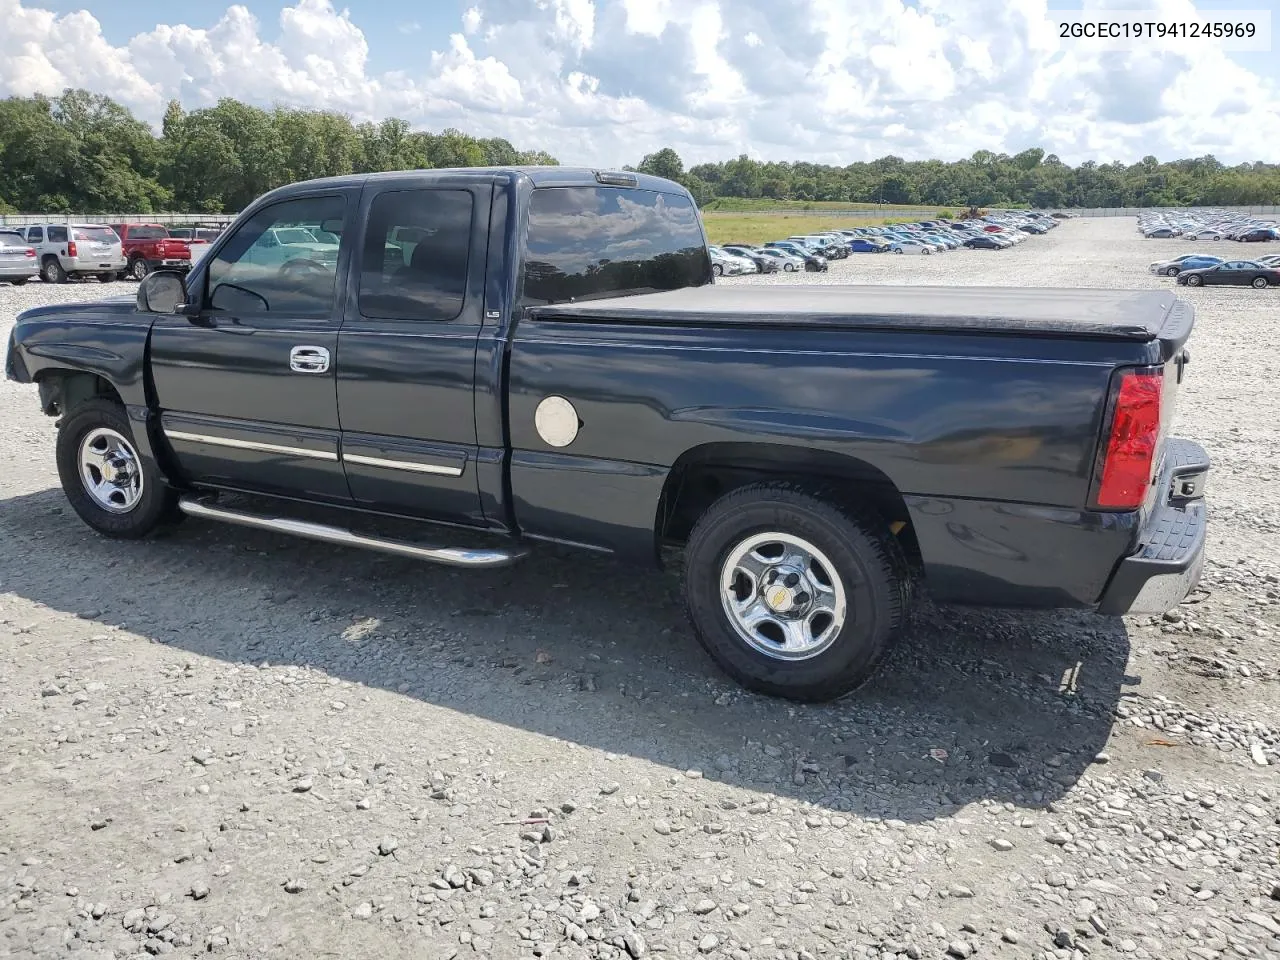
(973, 705)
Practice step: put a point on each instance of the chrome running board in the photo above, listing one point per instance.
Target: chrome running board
(451, 556)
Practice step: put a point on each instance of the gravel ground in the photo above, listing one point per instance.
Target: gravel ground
(240, 744)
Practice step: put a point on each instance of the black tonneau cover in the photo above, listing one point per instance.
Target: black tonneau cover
(1095, 314)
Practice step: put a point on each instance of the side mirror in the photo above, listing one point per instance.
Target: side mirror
(162, 292)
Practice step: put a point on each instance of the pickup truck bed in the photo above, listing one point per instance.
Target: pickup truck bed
(540, 354)
(1083, 313)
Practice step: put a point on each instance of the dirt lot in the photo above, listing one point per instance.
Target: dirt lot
(240, 744)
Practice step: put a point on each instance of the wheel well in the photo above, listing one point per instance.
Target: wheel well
(703, 475)
(61, 391)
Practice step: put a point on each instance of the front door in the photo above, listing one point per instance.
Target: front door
(246, 388)
(407, 348)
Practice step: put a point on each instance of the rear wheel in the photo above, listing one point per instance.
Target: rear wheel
(51, 271)
(1260, 282)
(793, 592)
(1171, 272)
(112, 488)
(138, 269)
(789, 267)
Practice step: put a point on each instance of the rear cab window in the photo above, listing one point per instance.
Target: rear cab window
(590, 242)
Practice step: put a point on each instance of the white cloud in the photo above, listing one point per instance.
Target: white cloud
(605, 81)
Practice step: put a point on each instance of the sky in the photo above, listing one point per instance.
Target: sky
(602, 82)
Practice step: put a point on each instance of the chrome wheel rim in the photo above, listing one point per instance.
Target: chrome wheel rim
(110, 470)
(783, 596)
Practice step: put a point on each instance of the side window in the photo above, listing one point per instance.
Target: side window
(414, 264)
(35, 235)
(275, 263)
(57, 234)
(586, 242)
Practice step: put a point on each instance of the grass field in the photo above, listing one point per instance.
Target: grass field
(759, 228)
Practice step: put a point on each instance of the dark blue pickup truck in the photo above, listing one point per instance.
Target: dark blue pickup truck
(541, 354)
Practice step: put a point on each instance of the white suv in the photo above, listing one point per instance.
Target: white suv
(76, 250)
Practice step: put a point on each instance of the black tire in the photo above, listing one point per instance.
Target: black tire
(789, 268)
(864, 556)
(1171, 272)
(139, 268)
(19, 281)
(1260, 283)
(51, 271)
(157, 504)
(717, 270)
(1194, 281)
(106, 277)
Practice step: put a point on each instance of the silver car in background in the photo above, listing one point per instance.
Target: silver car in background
(18, 260)
(77, 250)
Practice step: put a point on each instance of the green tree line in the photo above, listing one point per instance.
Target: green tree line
(1027, 179)
(85, 153)
(82, 152)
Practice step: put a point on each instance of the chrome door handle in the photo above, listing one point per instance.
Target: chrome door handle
(309, 360)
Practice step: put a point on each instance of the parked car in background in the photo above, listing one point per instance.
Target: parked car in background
(1188, 261)
(813, 262)
(984, 242)
(787, 262)
(148, 246)
(725, 264)
(1234, 273)
(1207, 234)
(763, 263)
(1162, 233)
(68, 250)
(918, 247)
(1270, 261)
(18, 261)
(197, 237)
(867, 245)
(1257, 235)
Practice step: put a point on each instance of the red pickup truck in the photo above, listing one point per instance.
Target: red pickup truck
(148, 246)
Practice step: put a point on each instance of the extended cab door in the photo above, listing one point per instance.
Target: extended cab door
(407, 349)
(246, 387)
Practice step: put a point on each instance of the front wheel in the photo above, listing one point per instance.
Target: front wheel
(1194, 281)
(1260, 283)
(112, 488)
(717, 270)
(793, 592)
(790, 268)
(1171, 272)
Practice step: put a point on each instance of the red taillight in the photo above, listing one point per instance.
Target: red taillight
(71, 249)
(1131, 446)
(31, 251)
